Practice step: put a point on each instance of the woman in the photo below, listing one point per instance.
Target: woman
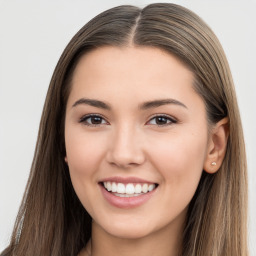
(140, 148)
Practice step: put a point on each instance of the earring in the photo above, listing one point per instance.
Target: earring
(213, 163)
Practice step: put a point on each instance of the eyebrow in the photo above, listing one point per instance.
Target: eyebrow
(143, 106)
(92, 102)
(158, 103)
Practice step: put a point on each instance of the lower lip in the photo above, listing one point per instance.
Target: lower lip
(126, 202)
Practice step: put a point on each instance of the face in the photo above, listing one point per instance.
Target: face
(136, 139)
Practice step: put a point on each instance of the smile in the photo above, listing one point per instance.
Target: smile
(128, 190)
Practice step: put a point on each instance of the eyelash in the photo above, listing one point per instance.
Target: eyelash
(85, 118)
(171, 120)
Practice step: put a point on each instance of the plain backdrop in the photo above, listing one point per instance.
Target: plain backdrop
(33, 35)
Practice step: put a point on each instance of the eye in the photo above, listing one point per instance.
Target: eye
(161, 120)
(93, 120)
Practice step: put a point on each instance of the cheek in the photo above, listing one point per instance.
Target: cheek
(179, 159)
(84, 155)
(179, 151)
(84, 152)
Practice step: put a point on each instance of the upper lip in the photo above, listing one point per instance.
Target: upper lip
(126, 180)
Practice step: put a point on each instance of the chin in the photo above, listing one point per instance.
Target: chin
(128, 230)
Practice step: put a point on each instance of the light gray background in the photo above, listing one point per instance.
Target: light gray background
(32, 36)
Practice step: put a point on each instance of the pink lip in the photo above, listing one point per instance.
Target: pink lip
(126, 202)
(126, 180)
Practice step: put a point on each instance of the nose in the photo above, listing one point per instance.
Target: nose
(126, 149)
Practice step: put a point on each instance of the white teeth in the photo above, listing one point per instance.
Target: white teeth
(126, 195)
(145, 188)
(114, 187)
(151, 187)
(138, 188)
(109, 187)
(129, 189)
(120, 188)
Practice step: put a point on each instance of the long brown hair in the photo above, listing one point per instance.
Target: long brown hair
(51, 219)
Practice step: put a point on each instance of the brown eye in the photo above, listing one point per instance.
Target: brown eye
(161, 120)
(93, 120)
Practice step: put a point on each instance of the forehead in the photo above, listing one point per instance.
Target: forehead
(124, 60)
(125, 74)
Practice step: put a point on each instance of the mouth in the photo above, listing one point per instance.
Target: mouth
(131, 189)
(127, 192)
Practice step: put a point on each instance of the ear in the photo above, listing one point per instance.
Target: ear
(217, 145)
(66, 159)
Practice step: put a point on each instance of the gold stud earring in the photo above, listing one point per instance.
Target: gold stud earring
(213, 163)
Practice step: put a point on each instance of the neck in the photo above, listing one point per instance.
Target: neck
(164, 242)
